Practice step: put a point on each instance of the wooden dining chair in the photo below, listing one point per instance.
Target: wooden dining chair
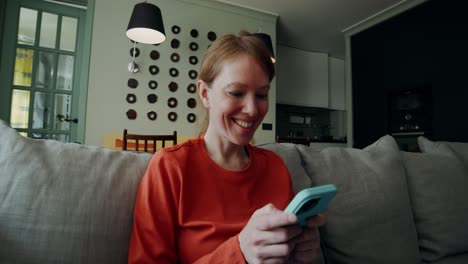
(147, 142)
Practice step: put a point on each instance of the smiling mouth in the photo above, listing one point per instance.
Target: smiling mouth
(243, 124)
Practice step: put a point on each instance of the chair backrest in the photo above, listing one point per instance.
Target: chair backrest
(146, 143)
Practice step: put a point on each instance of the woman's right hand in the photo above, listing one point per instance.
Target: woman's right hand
(269, 236)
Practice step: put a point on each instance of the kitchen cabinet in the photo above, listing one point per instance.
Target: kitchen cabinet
(336, 81)
(302, 77)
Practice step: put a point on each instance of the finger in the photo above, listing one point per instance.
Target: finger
(304, 256)
(267, 209)
(281, 250)
(315, 221)
(307, 245)
(275, 220)
(281, 234)
(309, 234)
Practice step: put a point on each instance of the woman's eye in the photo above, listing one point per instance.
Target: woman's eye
(262, 96)
(235, 94)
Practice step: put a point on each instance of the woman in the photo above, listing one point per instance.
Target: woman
(214, 199)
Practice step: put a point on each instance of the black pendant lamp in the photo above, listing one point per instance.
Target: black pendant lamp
(267, 40)
(146, 24)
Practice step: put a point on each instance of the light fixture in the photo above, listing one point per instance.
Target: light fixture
(265, 38)
(146, 24)
(132, 66)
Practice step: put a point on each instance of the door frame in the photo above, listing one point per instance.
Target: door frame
(82, 80)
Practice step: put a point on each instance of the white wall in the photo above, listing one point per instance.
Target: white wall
(110, 56)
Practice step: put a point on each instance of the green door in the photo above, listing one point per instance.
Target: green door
(40, 69)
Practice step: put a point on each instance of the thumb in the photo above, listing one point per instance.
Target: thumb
(267, 209)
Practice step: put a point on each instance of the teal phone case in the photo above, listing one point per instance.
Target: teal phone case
(310, 202)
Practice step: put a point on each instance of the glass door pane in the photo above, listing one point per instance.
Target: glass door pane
(41, 116)
(19, 109)
(27, 26)
(45, 70)
(48, 30)
(65, 72)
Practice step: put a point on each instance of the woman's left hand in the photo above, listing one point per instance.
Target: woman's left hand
(308, 243)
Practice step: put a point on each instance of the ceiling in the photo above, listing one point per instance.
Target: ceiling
(316, 25)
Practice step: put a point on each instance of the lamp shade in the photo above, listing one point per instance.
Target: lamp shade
(267, 40)
(146, 25)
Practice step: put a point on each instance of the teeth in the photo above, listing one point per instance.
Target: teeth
(243, 124)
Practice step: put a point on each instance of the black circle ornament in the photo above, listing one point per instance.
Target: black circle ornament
(194, 33)
(172, 116)
(153, 84)
(172, 102)
(191, 102)
(191, 118)
(131, 98)
(193, 60)
(192, 74)
(154, 55)
(175, 57)
(153, 69)
(211, 36)
(175, 43)
(193, 46)
(173, 86)
(175, 29)
(192, 88)
(173, 72)
(132, 83)
(131, 114)
(136, 50)
(152, 98)
(152, 115)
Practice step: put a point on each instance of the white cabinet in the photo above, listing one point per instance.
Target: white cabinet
(302, 77)
(336, 81)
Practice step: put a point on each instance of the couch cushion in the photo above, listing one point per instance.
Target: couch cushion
(65, 203)
(289, 154)
(438, 188)
(458, 149)
(370, 219)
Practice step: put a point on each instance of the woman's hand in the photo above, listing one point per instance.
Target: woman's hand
(269, 236)
(308, 242)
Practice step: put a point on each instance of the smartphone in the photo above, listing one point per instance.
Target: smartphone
(310, 202)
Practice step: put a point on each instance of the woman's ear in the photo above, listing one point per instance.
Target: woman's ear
(202, 89)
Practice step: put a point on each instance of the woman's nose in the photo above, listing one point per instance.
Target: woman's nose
(250, 106)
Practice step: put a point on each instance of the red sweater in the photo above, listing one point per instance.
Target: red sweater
(190, 209)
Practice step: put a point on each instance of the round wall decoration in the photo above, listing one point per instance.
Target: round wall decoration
(191, 118)
(192, 88)
(194, 33)
(191, 102)
(175, 43)
(172, 116)
(193, 60)
(131, 98)
(211, 36)
(175, 29)
(153, 69)
(152, 115)
(175, 57)
(173, 86)
(131, 114)
(172, 102)
(153, 84)
(154, 55)
(132, 83)
(193, 46)
(152, 98)
(173, 72)
(137, 52)
(192, 74)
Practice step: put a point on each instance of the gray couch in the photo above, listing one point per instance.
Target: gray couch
(70, 203)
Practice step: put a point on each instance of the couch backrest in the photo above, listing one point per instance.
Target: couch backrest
(65, 203)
